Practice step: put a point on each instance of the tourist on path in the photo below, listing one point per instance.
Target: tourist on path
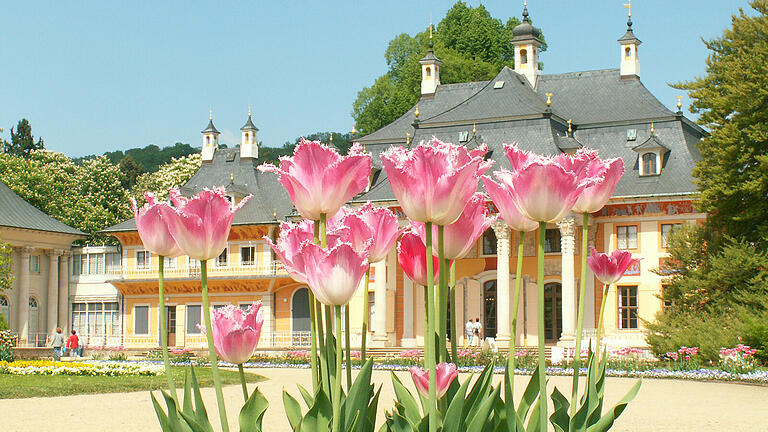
(57, 341)
(469, 329)
(72, 344)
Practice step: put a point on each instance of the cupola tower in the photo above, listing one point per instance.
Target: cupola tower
(430, 70)
(249, 145)
(630, 64)
(210, 139)
(527, 42)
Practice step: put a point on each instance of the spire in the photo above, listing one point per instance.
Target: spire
(249, 145)
(527, 40)
(249, 126)
(430, 69)
(210, 139)
(630, 65)
(525, 12)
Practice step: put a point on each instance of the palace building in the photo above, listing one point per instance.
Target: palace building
(607, 110)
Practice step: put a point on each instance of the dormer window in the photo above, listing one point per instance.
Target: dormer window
(649, 164)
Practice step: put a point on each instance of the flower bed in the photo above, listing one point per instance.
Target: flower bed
(96, 368)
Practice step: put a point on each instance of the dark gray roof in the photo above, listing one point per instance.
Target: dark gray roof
(430, 57)
(652, 143)
(629, 36)
(249, 125)
(211, 128)
(568, 143)
(17, 213)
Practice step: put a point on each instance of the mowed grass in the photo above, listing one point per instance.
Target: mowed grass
(27, 386)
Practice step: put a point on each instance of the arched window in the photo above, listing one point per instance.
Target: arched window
(649, 164)
(627, 52)
(429, 71)
(524, 56)
(5, 309)
(207, 140)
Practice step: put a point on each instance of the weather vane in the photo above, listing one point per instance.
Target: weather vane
(629, 6)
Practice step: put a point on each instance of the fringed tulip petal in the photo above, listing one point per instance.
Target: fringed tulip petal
(501, 195)
(153, 227)
(236, 332)
(446, 373)
(610, 268)
(412, 256)
(333, 274)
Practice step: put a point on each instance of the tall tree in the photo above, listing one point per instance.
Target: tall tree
(130, 169)
(6, 267)
(472, 45)
(732, 101)
(172, 174)
(22, 142)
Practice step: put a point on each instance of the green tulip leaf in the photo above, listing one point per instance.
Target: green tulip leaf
(319, 417)
(356, 404)
(307, 396)
(530, 396)
(161, 416)
(480, 419)
(453, 416)
(200, 414)
(533, 419)
(606, 422)
(292, 410)
(252, 412)
(406, 400)
(560, 418)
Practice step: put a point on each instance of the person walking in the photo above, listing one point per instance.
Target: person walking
(57, 341)
(469, 330)
(82, 342)
(72, 344)
(478, 329)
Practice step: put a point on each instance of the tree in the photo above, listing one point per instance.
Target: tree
(472, 45)
(22, 142)
(172, 174)
(731, 100)
(6, 267)
(131, 170)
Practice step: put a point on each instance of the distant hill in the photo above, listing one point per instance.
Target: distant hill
(150, 157)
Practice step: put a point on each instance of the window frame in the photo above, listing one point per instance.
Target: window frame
(637, 237)
(662, 239)
(559, 248)
(149, 319)
(196, 331)
(656, 164)
(254, 251)
(147, 259)
(229, 258)
(36, 259)
(495, 243)
(620, 308)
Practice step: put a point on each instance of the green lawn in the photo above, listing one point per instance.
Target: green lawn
(25, 386)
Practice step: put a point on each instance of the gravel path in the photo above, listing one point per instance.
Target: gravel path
(662, 405)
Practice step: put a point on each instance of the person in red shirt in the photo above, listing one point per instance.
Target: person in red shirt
(72, 343)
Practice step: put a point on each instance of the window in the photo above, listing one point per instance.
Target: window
(489, 242)
(223, 259)
(666, 304)
(141, 320)
(429, 71)
(95, 263)
(627, 237)
(665, 230)
(631, 134)
(5, 309)
(96, 318)
(169, 263)
(245, 306)
(627, 52)
(193, 318)
(34, 264)
(552, 241)
(113, 262)
(247, 255)
(523, 57)
(628, 307)
(112, 318)
(142, 260)
(649, 164)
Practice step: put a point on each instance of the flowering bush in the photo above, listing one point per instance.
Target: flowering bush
(45, 367)
(739, 359)
(684, 358)
(113, 353)
(7, 342)
(176, 355)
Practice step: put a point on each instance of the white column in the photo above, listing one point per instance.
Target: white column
(567, 245)
(64, 291)
(380, 303)
(266, 305)
(408, 323)
(23, 301)
(502, 282)
(53, 291)
(589, 307)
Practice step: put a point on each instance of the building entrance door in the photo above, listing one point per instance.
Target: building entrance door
(300, 325)
(170, 320)
(553, 312)
(489, 309)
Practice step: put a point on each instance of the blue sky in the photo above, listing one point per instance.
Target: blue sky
(95, 76)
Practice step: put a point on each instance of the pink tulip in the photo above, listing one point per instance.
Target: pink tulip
(383, 224)
(461, 236)
(446, 373)
(610, 268)
(288, 248)
(352, 229)
(434, 181)
(319, 180)
(580, 163)
(501, 195)
(519, 158)
(412, 256)
(201, 224)
(153, 229)
(236, 332)
(594, 197)
(543, 190)
(333, 274)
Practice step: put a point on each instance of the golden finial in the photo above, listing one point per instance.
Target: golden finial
(629, 6)
(570, 128)
(210, 114)
(331, 137)
(474, 128)
(354, 130)
(274, 214)
(249, 110)
(416, 113)
(408, 139)
(549, 99)
(679, 102)
(652, 129)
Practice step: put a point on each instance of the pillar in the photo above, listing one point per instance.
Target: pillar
(408, 324)
(52, 307)
(590, 318)
(64, 291)
(502, 282)
(380, 303)
(23, 302)
(567, 245)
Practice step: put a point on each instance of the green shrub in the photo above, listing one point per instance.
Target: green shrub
(708, 331)
(3, 323)
(755, 334)
(7, 342)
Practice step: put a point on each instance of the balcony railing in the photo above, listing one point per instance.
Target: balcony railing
(276, 340)
(272, 269)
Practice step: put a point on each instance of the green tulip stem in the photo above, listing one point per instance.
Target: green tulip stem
(580, 319)
(442, 297)
(365, 313)
(542, 359)
(347, 347)
(337, 384)
(316, 332)
(513, 327)
(454, 333)
(429, 335)
(242, 382)
(163, 329)
(211, 347)
(331, 374)
(600, 319)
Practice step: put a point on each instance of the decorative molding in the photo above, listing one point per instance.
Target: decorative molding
(567, 235)
(501, 230)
